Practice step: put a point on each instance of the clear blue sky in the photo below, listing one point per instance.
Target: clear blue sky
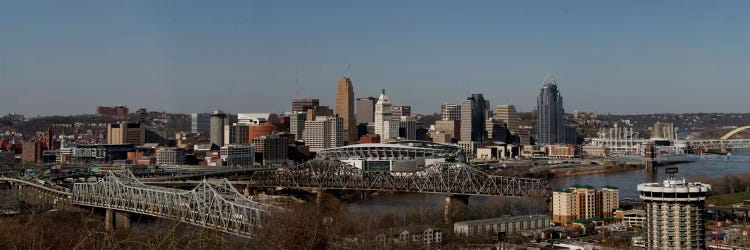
(67, 57)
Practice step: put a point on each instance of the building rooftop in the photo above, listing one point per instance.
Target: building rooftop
(502, 220)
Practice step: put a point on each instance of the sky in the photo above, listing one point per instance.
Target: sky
(625, 57)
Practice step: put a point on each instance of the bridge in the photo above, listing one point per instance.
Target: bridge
(215, 205)
(218, 205)
(443, 178)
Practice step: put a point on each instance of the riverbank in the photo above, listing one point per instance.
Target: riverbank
(588, 170)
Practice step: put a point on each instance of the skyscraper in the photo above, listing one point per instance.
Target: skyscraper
(218, 120)
(382, 114)
(450, 112)
(299, 105)
(366, 109)
(297, 124)
(200, 122)
(325, 132)
(345, 108)
(508, 115)
(398, 111)
(473, 118)
(549, 122)
(496, 130)
(126, 133)
(675, 213)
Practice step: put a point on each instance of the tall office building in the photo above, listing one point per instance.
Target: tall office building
(473, 118)
(170, 156)
(200, 122)
(318, 111)
(126, 133)
(509, 115)
(584, 202)
(345, 108)
(325, 132)
(398, 111)
(237, 133)
(663, 130)
(407, 129)
(675, 214)
(450, 112)
(366, 110)
(237, 155)
(382, 114)
(299, 105)
(274, 148)
(218, 121)
(549, 122)
(496, 130)
(297, 124)
(449, 127)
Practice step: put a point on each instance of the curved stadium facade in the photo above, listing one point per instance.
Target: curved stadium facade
(402, 156)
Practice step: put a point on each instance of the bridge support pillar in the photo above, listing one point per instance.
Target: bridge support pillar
(117, 221)
(650, 158)
(319, 196)
(122, 222)
(456, 207)
(109, 221)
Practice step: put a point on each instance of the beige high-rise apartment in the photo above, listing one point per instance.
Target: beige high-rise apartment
(325, 132)
(345, 108)
(509, 115)
(584, 202)
(126, 133)
(663, 130)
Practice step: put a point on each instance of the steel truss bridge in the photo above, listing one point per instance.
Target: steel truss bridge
(212, 204)
(444, 178)
(717, 144)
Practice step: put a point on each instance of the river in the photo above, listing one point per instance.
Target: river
(409, 203)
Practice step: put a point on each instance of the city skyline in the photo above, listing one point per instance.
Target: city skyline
(246, 57)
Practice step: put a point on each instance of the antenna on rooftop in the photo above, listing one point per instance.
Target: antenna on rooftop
(348, 67)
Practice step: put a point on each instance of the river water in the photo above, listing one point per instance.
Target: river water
(411, 203)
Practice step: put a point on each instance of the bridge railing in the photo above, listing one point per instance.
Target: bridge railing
(215, 205)
(57, 190)
(447, 178)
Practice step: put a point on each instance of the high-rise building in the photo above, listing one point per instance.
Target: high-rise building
(200, 122)
(663, 130)
(116, 111)
(398, 111)
(345, 108)
(496, 130)
(382, 114)
(325, 132)
(450, 127)
(675, 214)
(450, 112)
(407, 129)
(584, 202)
(549, 123)
(274, 148)
(237, 155)
(318, 111)
(218, 121)
(32, 151)
(238, 134)
(261, 130)
(509, 115)
(299, 105)
(126, 133)
(366, 110)
(473, 118)
(170, 156)
(297, 124)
